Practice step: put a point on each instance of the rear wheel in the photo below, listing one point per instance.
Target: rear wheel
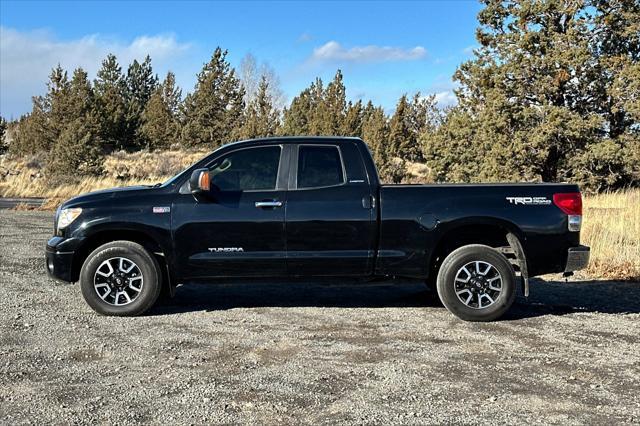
(120, 278)
(476, 283)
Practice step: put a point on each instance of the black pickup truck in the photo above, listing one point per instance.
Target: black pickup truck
(313, 207)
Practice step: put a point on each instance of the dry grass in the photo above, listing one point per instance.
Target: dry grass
(25, 177)
(611, 221)
(612, 229)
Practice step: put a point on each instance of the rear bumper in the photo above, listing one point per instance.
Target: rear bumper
(577, 258)
(59, 263)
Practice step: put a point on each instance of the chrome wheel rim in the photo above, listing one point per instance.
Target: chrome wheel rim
(478, 284)
(118, 281)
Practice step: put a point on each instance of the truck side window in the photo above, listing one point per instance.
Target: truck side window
(250, 169)
(319, 166)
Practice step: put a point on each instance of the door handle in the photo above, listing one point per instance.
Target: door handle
(271, 203)
(369, 202)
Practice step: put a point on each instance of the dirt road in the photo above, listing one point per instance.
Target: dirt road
(282, 353)
(10, 203)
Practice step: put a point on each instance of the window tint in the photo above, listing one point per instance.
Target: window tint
(248, 169)
(319, 166)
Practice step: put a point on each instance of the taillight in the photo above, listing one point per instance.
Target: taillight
(571, 204)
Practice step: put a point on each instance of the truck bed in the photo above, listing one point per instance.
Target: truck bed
(416, 219)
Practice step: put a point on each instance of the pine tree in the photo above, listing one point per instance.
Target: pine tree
(81, 97)
(160, 121)
(77, 151)
(141, 83)
(399, 132)
(375, 129)
(407, 121)
(333, 107)
(352, 122)
(553, 86)
(296, 118)
(613, 161)
(215, 108)
(172, 95)
(110, 88)
(375, 133)
(425, 114)
(317, 124)
(318, 111)
(261, 118)
(303, 116)
(422, 115)
(32, 133)
(58, 101)
(449, 151)
(78, 148)
(367, 111)
(38, 130)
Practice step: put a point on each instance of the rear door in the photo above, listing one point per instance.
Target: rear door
(329, 222)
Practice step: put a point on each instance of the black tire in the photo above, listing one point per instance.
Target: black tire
(146, 265)
(448, 287)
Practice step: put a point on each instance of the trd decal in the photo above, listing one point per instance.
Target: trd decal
(529, 201)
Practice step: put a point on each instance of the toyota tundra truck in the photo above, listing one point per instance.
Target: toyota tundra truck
(308, 207)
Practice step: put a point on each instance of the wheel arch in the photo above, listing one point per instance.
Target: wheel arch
(489, 231)
(104, 236)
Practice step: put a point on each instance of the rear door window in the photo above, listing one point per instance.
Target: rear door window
(319, 166)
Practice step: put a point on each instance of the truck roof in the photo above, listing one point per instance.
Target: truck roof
(298, 139)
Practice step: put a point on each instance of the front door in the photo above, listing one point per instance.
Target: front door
(239, 230)
(330, 223)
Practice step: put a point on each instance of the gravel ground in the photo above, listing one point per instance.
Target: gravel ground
(309, 353)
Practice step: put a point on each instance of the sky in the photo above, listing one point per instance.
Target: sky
(384, 49)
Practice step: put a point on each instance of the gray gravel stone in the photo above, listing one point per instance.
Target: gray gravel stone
(312, 353)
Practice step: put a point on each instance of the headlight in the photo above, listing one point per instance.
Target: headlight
(67, 216)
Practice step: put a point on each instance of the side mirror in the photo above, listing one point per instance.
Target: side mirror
(200, 182)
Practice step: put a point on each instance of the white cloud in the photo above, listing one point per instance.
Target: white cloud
(26, 59)
(446, 98)
(334, 51)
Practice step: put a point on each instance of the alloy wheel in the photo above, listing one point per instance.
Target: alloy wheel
(118, 281)
(478, 284)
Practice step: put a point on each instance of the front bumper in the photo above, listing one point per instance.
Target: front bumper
(59, 260)
(577, 258)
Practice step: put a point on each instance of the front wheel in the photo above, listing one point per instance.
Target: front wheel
(120, 278)
(476, 283)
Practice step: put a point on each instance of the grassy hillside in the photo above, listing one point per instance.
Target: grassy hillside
(611, 221)
(26, 177)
